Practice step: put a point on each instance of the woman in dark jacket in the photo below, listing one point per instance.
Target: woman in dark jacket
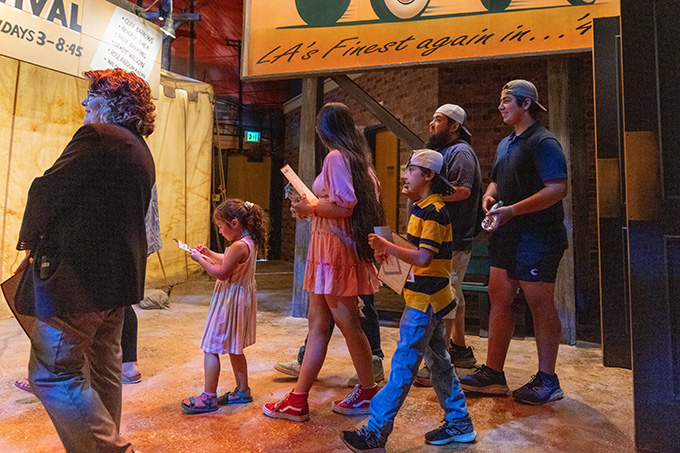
(84, 227)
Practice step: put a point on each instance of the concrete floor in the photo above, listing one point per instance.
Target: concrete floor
(596, 414)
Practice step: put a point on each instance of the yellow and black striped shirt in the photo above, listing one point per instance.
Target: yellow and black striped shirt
(430, 227)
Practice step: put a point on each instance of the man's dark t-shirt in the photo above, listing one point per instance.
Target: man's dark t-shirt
(462, 169)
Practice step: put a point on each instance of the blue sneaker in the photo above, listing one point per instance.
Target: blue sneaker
(364, 440)
(542, 388)
(485, 380)
(459, 430)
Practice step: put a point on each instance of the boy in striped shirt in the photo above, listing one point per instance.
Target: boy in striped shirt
(428, 299)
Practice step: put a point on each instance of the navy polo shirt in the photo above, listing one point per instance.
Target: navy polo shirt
(523, 165)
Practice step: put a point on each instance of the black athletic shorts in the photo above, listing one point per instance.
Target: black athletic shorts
(531, 255)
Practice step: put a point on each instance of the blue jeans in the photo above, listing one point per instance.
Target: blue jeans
(75, 371)
(420, 334)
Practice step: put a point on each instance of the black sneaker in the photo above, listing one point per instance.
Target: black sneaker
(364, 439)
(485, 380)
(459, 430)
(461, 356)
(542, 388)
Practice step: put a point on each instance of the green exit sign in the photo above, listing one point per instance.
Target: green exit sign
(252, 136)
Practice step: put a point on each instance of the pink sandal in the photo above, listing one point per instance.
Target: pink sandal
(23, 384)
(200, 404)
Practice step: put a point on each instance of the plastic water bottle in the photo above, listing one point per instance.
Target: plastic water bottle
(491, 219)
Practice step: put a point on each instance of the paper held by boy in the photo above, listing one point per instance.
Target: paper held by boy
(393, 271)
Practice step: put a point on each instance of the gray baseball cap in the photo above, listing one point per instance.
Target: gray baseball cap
(525, 89)
(456, 113)
(431, 160)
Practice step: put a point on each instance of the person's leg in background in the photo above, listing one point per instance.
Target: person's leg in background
(370, 324)
(293, 368)
(131, 373)
(454, 323)
(490, 378)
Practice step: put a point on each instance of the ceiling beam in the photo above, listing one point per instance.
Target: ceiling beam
(381, 113)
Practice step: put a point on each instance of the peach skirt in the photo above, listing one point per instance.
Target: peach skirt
(332, 263)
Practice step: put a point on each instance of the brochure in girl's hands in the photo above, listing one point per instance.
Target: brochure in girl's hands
(300, 186)
(182, 245)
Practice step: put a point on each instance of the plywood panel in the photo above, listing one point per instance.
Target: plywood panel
(387, 168)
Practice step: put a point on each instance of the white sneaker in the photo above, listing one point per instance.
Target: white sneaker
(289, 368)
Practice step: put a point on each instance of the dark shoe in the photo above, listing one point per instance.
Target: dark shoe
(364, 440)
(485, 380)
(541, 389)
(459, 430)
(423, 377)
(461, 356)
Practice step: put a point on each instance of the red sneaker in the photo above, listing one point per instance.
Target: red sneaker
(292, 407)
(357, 402)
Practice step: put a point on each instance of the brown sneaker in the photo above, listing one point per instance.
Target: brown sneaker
(423, 377)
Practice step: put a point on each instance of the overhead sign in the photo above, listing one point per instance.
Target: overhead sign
(295, 37)
(79, 35)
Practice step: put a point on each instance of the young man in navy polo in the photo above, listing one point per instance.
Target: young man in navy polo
(530, 177)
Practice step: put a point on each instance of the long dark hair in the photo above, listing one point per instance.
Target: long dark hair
(336, 129)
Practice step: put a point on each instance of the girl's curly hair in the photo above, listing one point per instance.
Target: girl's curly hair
(127, 97)
(251, 217)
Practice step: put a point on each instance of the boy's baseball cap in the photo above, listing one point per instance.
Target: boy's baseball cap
(456, 113)
(524, 89)
(432, 160)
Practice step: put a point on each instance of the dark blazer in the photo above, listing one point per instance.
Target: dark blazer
(84, 224)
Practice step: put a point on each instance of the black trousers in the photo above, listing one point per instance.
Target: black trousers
(128, 341)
